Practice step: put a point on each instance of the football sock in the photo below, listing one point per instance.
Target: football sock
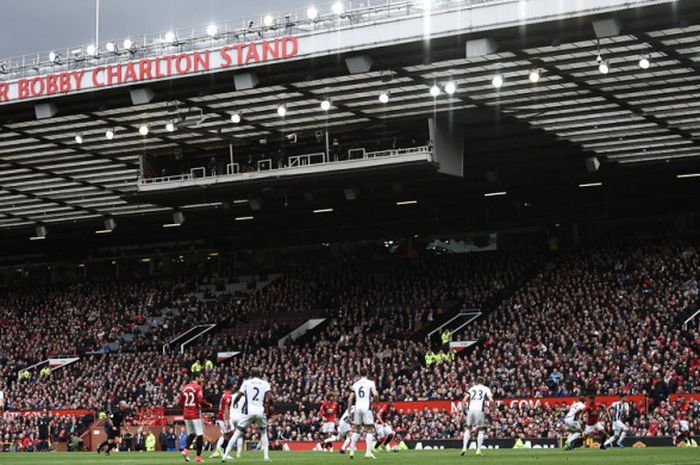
(479, 440)
(369, 440)
(623, 435)
(465, 440)
(353, 441)
(609, 441)
(232, 442)
(219, 442)
(200, 443)
(265, 444)
(190, 439)
(572, 437)
(346, 443)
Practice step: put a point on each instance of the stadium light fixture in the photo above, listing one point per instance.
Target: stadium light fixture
(384, 96)
(338, 8)
(235, 117)
(170, 126)
(109, 133)
(644, 62)
(312, 13)
(244, 218)
(323, 210)
(212, 30)
(170, 37)
(325, 104)
(406, 202)
(79, 138)
(55, 58)
(40, 233)
(603, 66)
(590, 184)
(688, 175)
(91, 50)
(534, 76)
(3, 67)
(111, 47)
(434, 91)
(495, 194)
(268, 21)
(282, 111)
(497, 81)
(144, 129)
(450, 87)
(127, 44)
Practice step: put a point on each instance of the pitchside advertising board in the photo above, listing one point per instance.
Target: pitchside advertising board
(150, 69)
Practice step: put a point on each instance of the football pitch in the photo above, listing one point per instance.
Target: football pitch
(629, 456)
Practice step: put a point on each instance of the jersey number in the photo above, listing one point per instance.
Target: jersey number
(257, 393)
(189, 399)
(479, 394)
(361, 393)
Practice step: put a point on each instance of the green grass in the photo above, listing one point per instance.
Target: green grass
(628, 456)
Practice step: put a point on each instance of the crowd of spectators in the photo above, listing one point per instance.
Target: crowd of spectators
(602, 320)
(39, 431)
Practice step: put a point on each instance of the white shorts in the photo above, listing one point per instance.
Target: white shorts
(618, 427)
(593, 428)
(328, 427)
(363, 417)
(475, 418)
(260, 420)
(572, 425)
(224, 426)
(194, 427)
(383, 430)
(344, 427)
(685, 426)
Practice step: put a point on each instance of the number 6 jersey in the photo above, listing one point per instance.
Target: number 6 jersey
(363, 393)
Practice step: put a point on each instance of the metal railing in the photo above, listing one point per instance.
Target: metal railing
(294, 162)
(265, 26)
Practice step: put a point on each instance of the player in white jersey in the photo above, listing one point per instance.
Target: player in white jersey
(572, 420)
(235, 416)
(619, 411)
(257, 395)
(475, 399)
(363, 391)
(345, 427)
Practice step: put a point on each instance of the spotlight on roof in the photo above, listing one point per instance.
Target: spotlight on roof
(338, 8)
(450, 87)
(384, 96)
(91, 50)
(235, 117)
(110, 225)
(497, 81)
(127, 44)
(534, 76)
(170, 37)
(111, 47)
(170, 126)
(109, 134)
(644, 63)
(212, 30)
(434, 91)
(40, 233)
(55, 58)
(312, 13)
(282, 111)
(3, 67)
(268, 21)
(144, 129)
(79, 138)
(325, 104)
(603, 66)
(178, 219)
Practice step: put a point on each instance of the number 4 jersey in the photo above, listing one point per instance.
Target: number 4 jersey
(254, 390)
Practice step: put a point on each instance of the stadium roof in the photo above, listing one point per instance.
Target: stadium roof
(638, 122)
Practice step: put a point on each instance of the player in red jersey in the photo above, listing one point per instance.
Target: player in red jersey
(682, 411)
(223, 420)
(329, 414)
(596, 414)
(385, 433)
(191, 401)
